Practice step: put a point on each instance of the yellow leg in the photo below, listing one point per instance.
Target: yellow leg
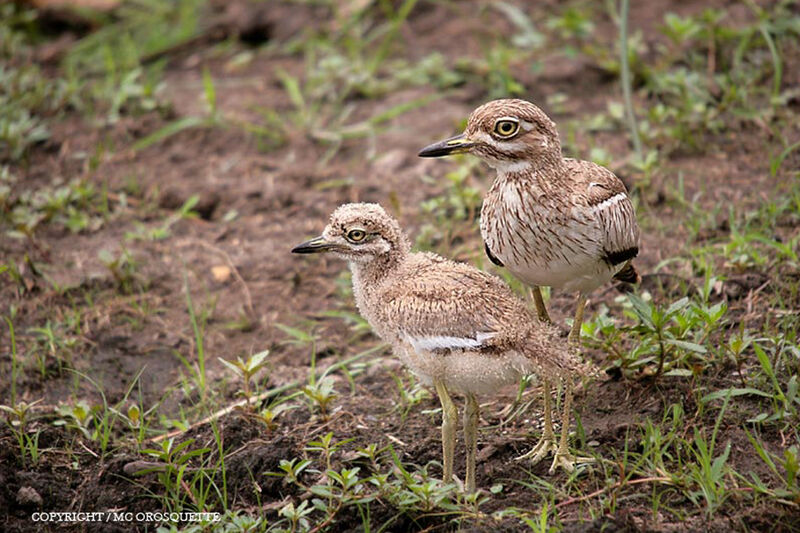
(548, 441)
(575, 332)
(471, 411)
(449, 416)
(563, 458)
(538, 301)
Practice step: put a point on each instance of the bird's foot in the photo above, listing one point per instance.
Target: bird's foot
(567, 461)
(542, 449)
(456, 481)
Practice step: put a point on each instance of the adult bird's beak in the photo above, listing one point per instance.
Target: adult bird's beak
(314, 246)
(454, 145)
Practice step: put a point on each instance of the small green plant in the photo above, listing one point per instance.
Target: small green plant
(410, 395)
(17, 421)
(672, 336)
(179, 480)
(163, 231)
(77, 416)
(320, 394)
(52, 347)
(270, 414)
(122, 267)
(297, 516)
(245, 370)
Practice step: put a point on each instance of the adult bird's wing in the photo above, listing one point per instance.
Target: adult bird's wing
(608, 200)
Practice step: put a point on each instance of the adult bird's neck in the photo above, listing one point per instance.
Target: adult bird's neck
(546, 171)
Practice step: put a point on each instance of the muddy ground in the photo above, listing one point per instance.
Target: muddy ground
(255, 203)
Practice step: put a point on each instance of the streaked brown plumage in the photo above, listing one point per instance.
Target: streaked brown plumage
(552, 221)
(455, 326)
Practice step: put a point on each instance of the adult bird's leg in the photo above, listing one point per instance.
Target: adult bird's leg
(548, 441)
(471, 411)
(538, 301)
(575, 332)
(449, 416)
(563, 458)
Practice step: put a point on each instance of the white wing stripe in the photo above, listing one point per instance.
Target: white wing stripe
(443, 342)
(614, 200)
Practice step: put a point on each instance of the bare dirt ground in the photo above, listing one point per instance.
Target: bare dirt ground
(255, 204)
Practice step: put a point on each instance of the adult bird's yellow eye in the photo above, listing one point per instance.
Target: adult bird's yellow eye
(356, 235)
(506, 128)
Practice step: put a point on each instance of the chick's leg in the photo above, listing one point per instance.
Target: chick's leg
(449, 416)
(471, 411)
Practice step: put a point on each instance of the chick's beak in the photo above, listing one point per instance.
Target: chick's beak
(454, 145)
(314, 246)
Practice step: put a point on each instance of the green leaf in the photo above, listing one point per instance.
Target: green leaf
(256, 360)
(168, 131)
(210, 91)
(134, 414)
(292, 87)
(690, 346)
(643, 310)
(716, 395)
(232, 365)
(295, 332)
(677, 306)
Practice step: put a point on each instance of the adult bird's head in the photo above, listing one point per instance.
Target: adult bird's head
(510, 135)
(360, 233)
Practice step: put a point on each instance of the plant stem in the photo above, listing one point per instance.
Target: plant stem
(626, 79)
(14, 367)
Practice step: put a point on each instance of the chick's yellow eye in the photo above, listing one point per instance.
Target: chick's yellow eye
(356, 235)
(506, 128)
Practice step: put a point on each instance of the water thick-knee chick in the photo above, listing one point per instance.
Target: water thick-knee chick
(456, 327)
(552, 221)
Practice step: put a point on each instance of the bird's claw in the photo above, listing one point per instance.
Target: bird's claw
(567, 461)
(542, 449)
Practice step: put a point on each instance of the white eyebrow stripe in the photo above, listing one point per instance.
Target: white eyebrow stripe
(527, 126)
(445, 342)
(505, 146)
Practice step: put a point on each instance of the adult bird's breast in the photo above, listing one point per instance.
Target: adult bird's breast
(538, 240)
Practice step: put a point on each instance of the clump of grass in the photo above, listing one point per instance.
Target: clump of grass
(197, 368)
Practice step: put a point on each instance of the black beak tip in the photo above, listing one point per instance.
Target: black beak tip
(434, 150)
(304, 248)
(314, 246)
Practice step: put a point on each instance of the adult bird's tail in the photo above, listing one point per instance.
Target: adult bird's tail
(628, 274)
